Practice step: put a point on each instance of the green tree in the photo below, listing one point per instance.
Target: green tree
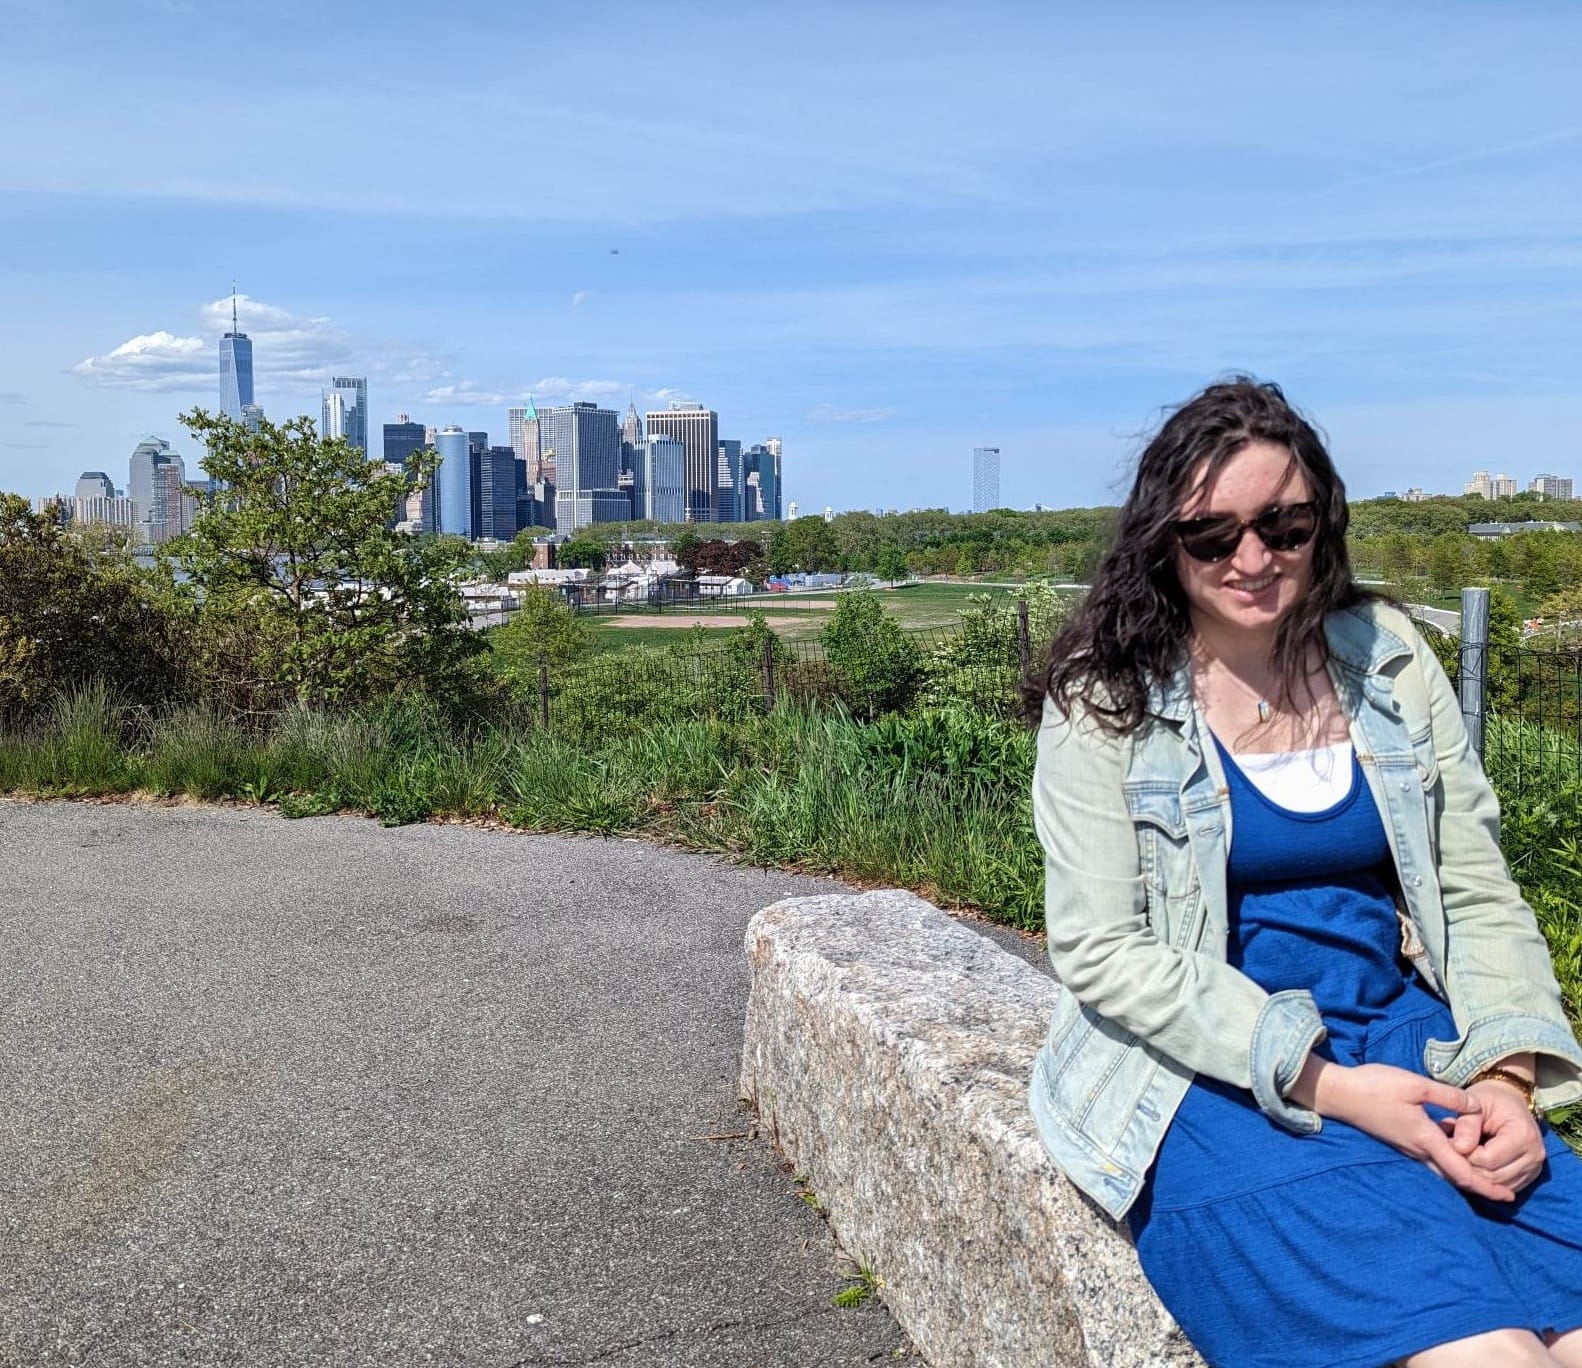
(72, 611)
(544, 629)
(877, 667)
(807, 545)
(891, 564)
(580, 553)
(296, 584)
(684, 551)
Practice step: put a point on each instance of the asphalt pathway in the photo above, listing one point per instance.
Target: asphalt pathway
(317, 1092)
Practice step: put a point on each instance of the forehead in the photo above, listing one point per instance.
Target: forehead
(1258, 475)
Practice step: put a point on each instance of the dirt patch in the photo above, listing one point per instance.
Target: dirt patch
(678, 620)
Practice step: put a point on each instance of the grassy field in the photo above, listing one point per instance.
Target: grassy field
(797, 617)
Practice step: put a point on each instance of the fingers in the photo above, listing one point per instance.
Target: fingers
(1503, 1149)
(1517, 1176)
(1455, 1168)
(1465, 1131)
(1458, 1100)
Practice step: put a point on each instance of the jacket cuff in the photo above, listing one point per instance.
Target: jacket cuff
(1287, 1029)
(1558, 1057)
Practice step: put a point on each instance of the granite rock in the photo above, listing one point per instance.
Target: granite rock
(888, 1050)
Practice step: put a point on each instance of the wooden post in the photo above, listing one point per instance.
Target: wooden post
(543, 692)
(769, 673)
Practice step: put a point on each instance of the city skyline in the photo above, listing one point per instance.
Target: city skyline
(884, 278)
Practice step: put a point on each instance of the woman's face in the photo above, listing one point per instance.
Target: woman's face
(1253, 587)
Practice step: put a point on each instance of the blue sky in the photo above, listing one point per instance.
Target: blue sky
(884, 233)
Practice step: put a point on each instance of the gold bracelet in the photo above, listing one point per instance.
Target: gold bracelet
(1522, 1085)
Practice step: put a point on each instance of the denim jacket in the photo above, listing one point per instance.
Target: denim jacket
(1135, 832)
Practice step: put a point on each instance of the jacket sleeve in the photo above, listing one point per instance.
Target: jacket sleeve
(1499, 978)
(1196, 1009)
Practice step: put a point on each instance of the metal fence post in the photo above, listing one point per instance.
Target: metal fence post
(1023, 637)
(543, 692)
(1475, 664)
(769, 672)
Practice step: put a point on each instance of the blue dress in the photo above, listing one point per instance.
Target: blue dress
(1334, 1249)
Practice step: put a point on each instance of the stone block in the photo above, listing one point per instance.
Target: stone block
(888, 1050)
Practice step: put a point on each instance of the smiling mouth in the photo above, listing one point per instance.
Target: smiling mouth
(1252, 586)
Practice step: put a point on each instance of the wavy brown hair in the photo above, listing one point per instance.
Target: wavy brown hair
(1131, 630)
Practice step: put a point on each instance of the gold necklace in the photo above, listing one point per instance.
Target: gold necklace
(1265, 709)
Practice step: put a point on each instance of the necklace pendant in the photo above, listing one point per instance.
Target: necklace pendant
(1265, 712)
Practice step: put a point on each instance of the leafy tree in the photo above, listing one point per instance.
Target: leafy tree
(580, 553)
(73, 611)
(891, 564)
(297, 586)
(684, 551)
(544, 629)
(807, 545)
(877, 667)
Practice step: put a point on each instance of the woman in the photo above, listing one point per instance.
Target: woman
(1310, 1023)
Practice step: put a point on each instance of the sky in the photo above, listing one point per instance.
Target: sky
(884, 233)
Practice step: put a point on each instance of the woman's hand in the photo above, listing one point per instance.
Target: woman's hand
(1388, 1103)
(1502, 1139)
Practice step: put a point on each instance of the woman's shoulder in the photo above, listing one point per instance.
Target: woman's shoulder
(1374, 628)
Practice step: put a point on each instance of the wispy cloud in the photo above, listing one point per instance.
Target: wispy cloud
(828, 413)
(559, 387)
(46, 423)
(12, 397)
(672, 396)
(465, 393)
(289, 349)
(577, 298)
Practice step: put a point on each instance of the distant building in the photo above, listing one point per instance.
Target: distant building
(659, 480)
(698, 431)
(94, 484)
(586, 440)
(728, 495)
(172, 506)
(761, 481)
(985, 479)
(402, 438)
(452, 489)
(236, 370)
(346, 411)
(97, 510)
(631, 426)
(1493, 531)
(147, 456)
(522, 433)
(1552, 486)
(1480, 486)
(497, 482)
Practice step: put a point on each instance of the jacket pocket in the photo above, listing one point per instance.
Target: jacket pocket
(1164, 854)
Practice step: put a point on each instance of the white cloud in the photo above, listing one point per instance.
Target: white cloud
(289, 350)
(577, 298)
(558, 387)
(828, 413)
(672, 396)
(466, 393)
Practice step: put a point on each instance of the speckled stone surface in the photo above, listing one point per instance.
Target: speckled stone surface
(888, 1051)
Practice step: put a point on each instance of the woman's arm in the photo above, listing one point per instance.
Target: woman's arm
(1498, 976)
(1195, 1008)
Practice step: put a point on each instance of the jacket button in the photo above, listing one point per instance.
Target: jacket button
(1406, 786)
(1417, 881)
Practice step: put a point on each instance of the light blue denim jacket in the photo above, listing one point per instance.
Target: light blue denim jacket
(1135, 833)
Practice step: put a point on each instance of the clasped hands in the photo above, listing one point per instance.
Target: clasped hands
(1488, 1146)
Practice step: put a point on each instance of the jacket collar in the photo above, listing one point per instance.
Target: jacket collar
(1357, 640)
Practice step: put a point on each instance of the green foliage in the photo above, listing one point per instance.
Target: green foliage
(544, 629)
(876, 667)
(72, 611)
(580, 553)
(890, 564)
(806, 546)
(297, 588)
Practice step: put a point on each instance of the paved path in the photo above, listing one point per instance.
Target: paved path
(317, 1092)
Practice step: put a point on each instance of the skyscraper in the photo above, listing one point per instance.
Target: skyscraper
(236, 370)
(401, 439)
(698, 431)
(728, 495)
(147, 454)
(346, 411)
(587, 445)
(94, 484)
(497, 468)
(631, 426)
(659, 471)
(453, 484)
(522, 433)
(985, 479)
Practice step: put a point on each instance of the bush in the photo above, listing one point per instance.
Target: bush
(877, 669)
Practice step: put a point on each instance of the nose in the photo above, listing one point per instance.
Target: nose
(1251, 557)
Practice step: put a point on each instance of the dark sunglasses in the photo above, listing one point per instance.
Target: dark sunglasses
(1285, 527)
